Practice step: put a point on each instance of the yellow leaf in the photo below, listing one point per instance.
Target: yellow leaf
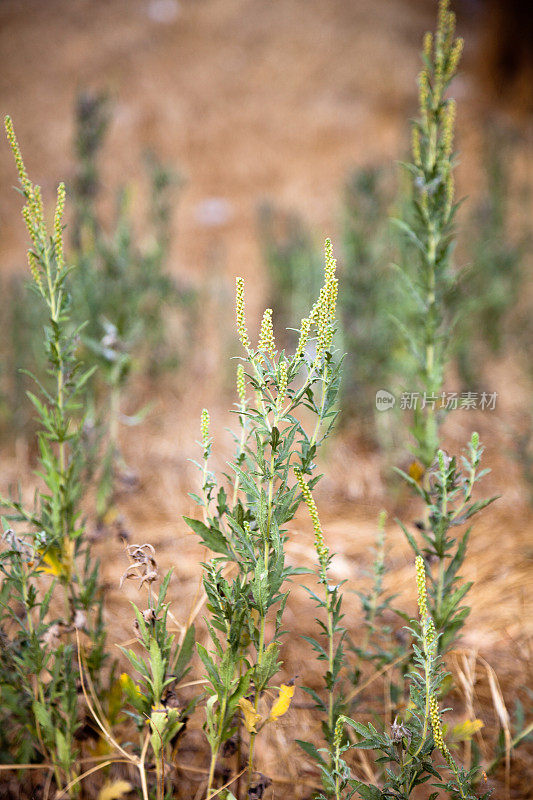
(124, 680)
(416, 471)
(68, 555)
(464, 731)
(251, 717)
(51, 563)
(101, 747)
(114, 790)
(110, 516)
(114, 699)
(281, 706)
(132, 689)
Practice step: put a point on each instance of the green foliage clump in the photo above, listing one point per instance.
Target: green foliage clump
(428, 225)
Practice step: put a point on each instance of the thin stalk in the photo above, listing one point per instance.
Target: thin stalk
(215, 750)
(330, 658)
(266, 555)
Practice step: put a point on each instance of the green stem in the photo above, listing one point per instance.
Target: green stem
(40, 689)
(214, 755)
(216, 748)
(260, 651)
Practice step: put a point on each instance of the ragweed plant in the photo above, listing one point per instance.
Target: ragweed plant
(448, 505)
(445, 489)
(245, 520)
(38, 665)
(411, 747)
(155, 698)
(380, 645)
(428, 226)
(331, 647)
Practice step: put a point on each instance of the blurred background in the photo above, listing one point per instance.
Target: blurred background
(203, 139)
(219, 137)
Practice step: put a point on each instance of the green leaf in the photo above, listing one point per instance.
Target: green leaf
(43, 717)
(158, 669)
(312, 751)
(212, 537)
(63, 750)
(369, 792)
(185, 653)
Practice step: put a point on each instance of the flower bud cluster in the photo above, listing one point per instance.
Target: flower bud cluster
(266, 335)
(282, 385)
(241, 318)
(428, 628)
(204, 427)
(58, 230)
(323, 313)
(241, 384)
(305, 329)
(320, 544)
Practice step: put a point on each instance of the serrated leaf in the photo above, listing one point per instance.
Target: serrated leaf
(212, 537)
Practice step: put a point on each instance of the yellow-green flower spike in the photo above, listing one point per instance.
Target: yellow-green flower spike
(320, 544)
(331, 263)
(438, 737)
(428, 45)
(337, 734)
(333, 291)
(455, 56)
(423, 91)
(241, 384)
(428, 628)
(322, 300)
(322, 332)
(30, 225)
(421, 586)
(38, 211)
(204, 427)
(58, 230)
(21, 169)
(241, 318)
(436, 724)
(447, 133)
(305, 328)
(266, 334)
(35, 270)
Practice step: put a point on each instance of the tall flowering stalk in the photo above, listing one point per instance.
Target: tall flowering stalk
(333, 634)
(412, 749)
(48, 539)
(247, 515)
(428, 227)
